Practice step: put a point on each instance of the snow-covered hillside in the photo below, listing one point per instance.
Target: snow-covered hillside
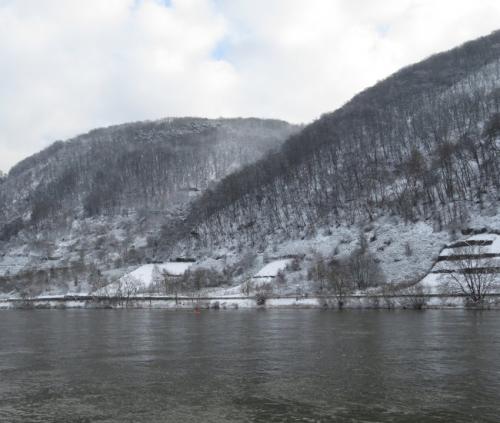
(476, 253)
(421, 145)
(102, 200)
(372, 191)
(271, 270)
(144, 278)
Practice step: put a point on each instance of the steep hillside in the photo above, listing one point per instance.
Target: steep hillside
(96, 199)
(389, 178)
(421, 145)
(147, 165)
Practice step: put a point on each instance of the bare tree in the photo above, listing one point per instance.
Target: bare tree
(171, 284)
(156, 279)
(414, 296)
(339, 282)
(474, 274)
(247, 287)
(332, 277)
(262, 293)
(280, 280)
(364, 269)
(318, 273)
(389, 292)
(127, 288)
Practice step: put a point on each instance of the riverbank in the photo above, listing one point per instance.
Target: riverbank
(431, 301)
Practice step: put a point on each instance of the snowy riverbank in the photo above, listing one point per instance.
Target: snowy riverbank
(237, 302)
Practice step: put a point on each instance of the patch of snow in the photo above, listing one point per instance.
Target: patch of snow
(433, 281)
(272, 269)
(143, 276)
(493, 248)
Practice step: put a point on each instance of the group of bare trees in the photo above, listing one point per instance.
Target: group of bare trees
(341, 276)
(409, 146)
(152, 165)
(73, 276)
(189, 281)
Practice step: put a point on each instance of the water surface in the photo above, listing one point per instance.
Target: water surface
(249, 366)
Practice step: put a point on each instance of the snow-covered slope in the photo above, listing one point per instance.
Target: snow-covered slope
(476, 253)
(421, 145)
(271, 270)
(103, 200)
(144, 278)
(144, 274)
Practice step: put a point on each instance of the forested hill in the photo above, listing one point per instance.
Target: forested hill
(153, 166)
(388, 178)
(422, 145)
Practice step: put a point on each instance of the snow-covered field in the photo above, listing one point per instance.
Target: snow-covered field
(271, 270)
(143, 278)
(144, 274)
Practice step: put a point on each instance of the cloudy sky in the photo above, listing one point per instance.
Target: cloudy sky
(67, 66)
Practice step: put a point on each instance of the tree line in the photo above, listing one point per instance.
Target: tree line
(153, 166)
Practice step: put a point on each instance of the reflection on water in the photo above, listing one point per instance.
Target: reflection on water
(270, 366)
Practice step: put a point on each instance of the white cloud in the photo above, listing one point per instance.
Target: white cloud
(297, 59)
(67, 66)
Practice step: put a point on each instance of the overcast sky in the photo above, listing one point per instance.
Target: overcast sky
(67, 66)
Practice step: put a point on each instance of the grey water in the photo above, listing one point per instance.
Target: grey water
(249, 366)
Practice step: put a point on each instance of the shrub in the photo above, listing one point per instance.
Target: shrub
(260, 298)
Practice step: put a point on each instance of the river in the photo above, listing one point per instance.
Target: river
(249, 366)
